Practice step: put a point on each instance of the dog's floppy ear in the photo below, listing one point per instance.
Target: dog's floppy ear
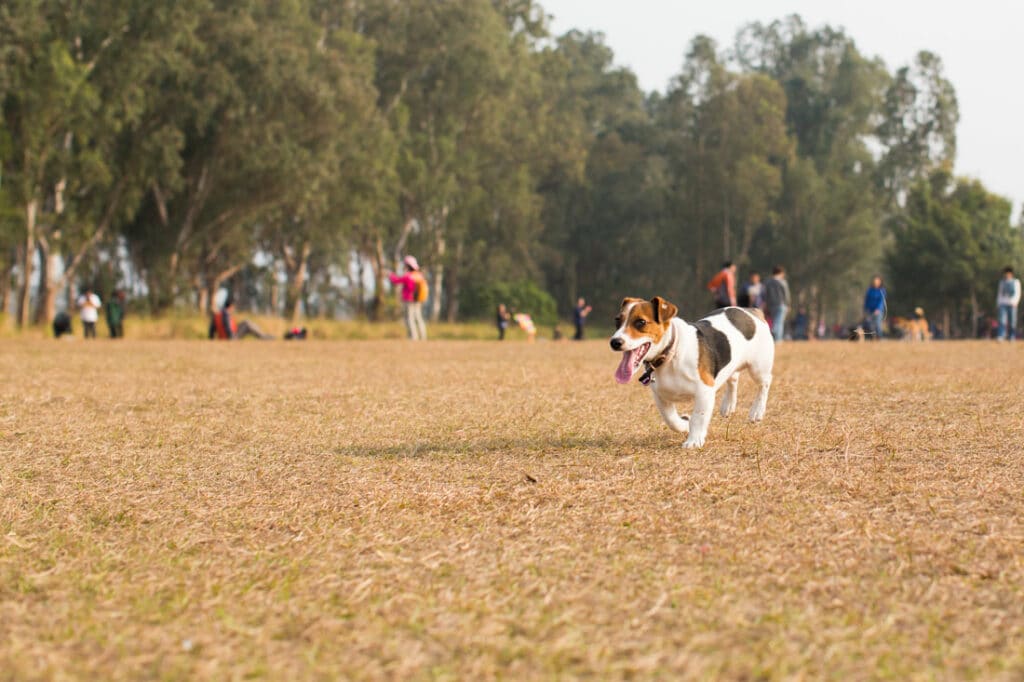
(626, 301)
(663, 310)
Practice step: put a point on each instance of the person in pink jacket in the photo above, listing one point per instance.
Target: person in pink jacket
(414, 293)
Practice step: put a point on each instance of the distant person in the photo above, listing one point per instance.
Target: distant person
(501, 319)
(875, 307)
(1007, 300)
(579, 317)
(800, 325)
(89, 310)
(414, 293)
(751, 293)
(776, 301)
(723, 285)
(61, 324)
(556, 334)
(115, 314)
(223, 325)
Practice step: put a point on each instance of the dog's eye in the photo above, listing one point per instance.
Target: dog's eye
(640, 324)
(618, 321)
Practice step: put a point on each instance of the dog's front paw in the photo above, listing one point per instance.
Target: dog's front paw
(694, 442)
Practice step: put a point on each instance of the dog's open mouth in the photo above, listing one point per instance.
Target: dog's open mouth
(631, 360)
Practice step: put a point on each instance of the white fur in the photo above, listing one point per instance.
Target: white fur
(679, 378)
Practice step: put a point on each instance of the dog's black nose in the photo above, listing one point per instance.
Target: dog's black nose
(616, 344)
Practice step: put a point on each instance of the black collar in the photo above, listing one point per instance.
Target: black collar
(670, 350)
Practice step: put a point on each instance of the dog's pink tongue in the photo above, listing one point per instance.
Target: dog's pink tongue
(625, 371)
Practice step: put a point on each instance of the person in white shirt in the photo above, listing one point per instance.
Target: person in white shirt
(89, 311)
(1007, 300)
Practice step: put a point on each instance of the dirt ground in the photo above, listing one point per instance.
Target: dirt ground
(474, 510)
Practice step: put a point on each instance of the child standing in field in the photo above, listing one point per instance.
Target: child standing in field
(115, 314)
(414, 294)
(501, 320)
(1007, 300)
(579, 317)
(89, 310)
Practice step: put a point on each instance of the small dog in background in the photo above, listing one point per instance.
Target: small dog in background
(683, 360)
(914, 328)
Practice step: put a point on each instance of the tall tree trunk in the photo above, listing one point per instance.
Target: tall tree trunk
(275, 293)
(701, 278)
(360, 287)
(5, 284)
(208, 293)
(378, 279)
(50, 282)
(402, 239)
(974, 314)
(28, 254)
(44, 288)
(203, 299)
(298, 265)
(454, 285)
(437, 279)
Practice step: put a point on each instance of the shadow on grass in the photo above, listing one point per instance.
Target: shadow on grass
(553, 446)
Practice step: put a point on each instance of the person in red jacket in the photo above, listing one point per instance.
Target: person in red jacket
(414, 293)
(723, 285)
(223, 325)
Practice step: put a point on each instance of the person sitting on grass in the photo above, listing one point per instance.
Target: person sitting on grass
(223, 325)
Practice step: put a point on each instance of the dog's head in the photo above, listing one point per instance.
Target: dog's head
(640, 327)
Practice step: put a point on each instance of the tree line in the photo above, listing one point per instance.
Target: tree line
(294, 150)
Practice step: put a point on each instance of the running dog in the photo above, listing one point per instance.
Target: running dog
(681, 359)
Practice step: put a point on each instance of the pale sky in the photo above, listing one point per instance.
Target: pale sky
(979, 43)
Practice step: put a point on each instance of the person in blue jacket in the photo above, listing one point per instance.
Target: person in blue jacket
(875, 307)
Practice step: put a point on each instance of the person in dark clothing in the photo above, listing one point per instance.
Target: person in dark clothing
(115, 314)
(777, 302)
(502, 318)
(579, 317)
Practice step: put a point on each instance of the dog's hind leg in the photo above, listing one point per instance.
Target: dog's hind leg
(764, 381)
(731, 395)
(675, 421)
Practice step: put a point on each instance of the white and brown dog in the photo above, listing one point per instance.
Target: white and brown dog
(681, 359)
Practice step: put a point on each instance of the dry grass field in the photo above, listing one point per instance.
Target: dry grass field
(470, 510)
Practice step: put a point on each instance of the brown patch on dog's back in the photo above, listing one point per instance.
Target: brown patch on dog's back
(742, 321)
(758, 313)
(713, 351)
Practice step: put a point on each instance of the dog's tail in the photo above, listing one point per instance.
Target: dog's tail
(758, 313)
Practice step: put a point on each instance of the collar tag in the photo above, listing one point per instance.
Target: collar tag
(648, 376)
